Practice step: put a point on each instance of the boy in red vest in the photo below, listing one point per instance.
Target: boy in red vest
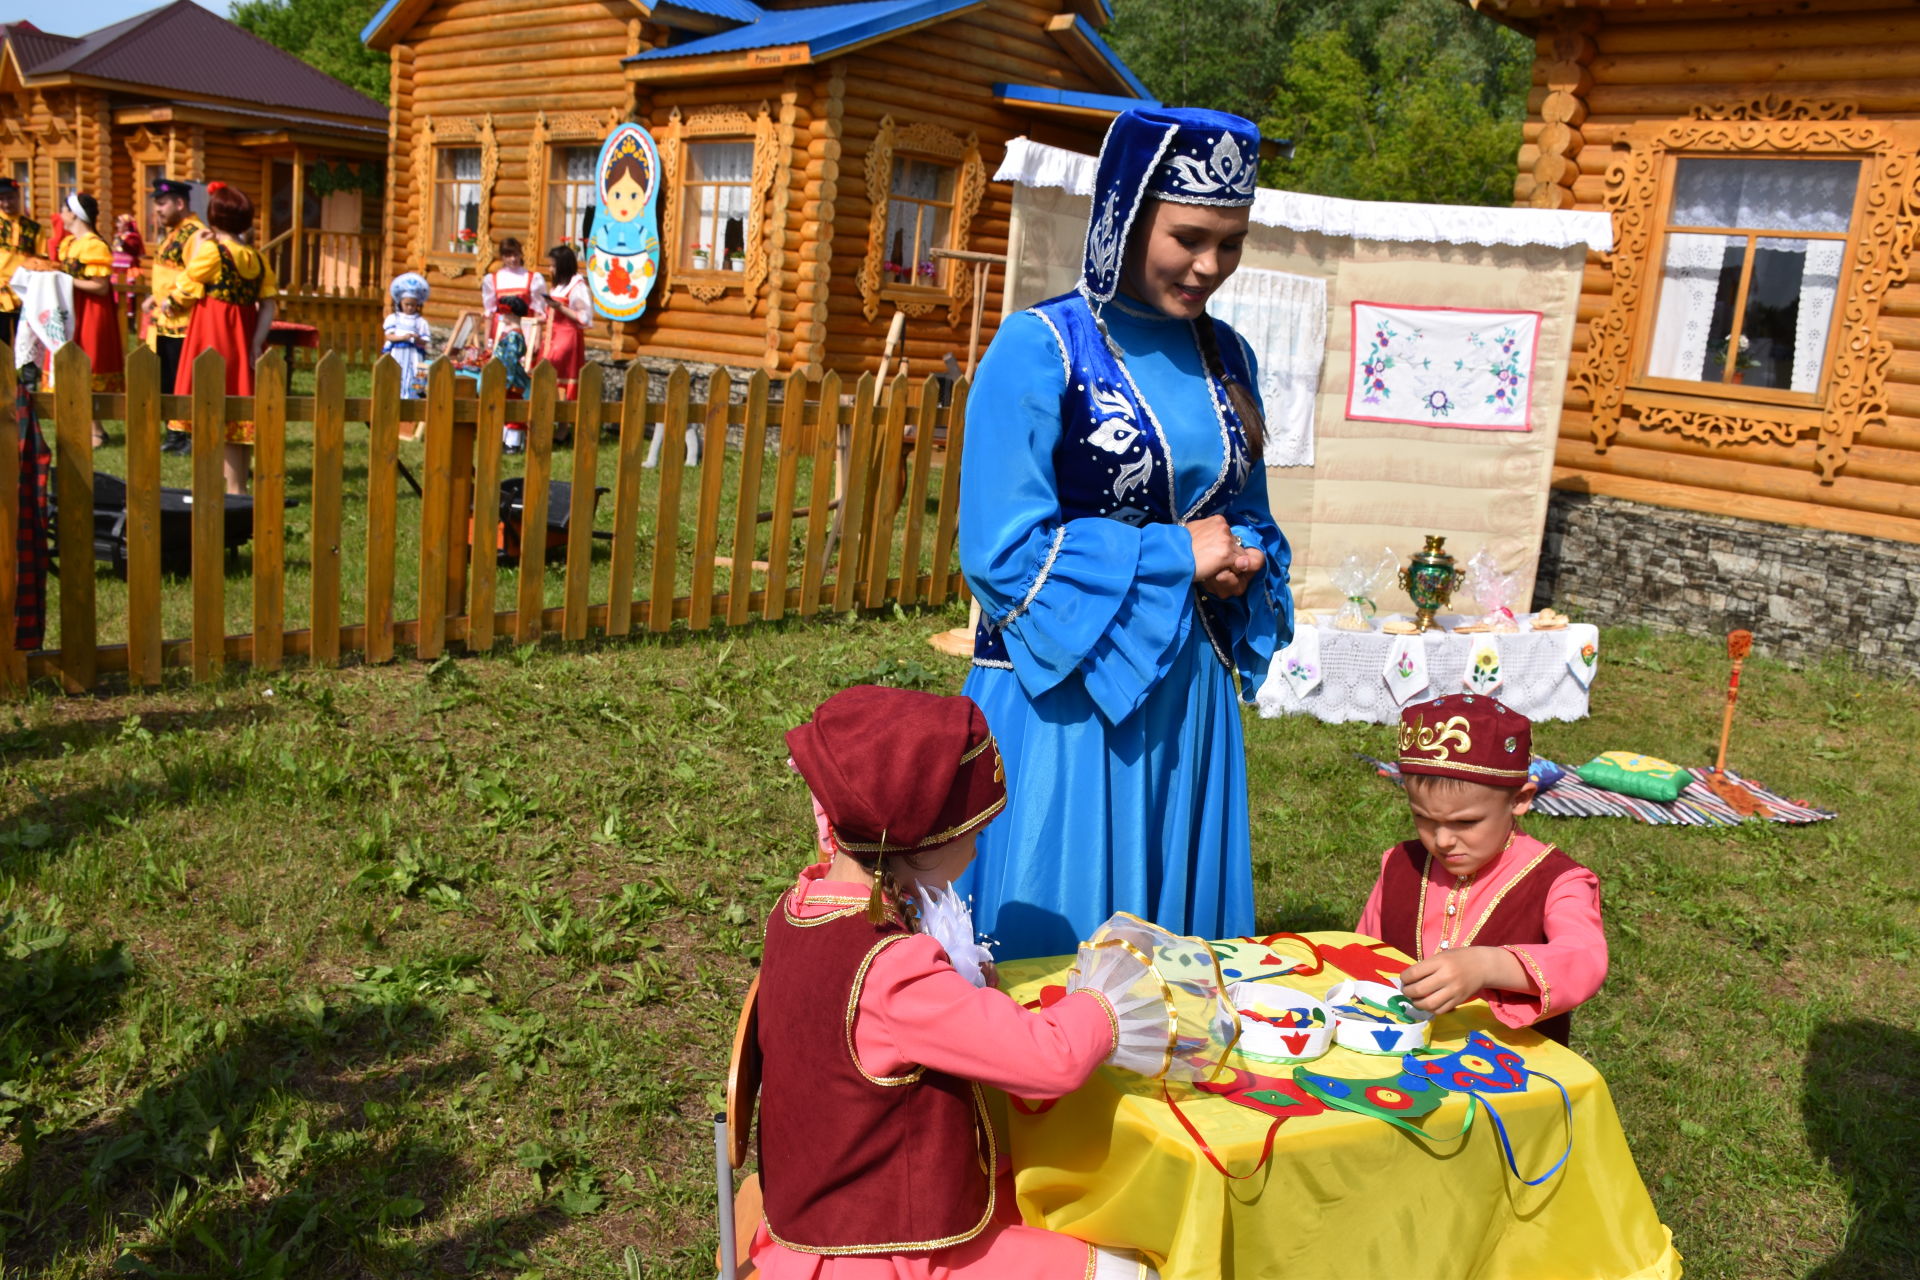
(1486, 911)
(879, 1024)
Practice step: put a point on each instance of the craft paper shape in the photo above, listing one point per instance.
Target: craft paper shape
(1443, 366)
(1397, 1098)
(1280, 1024)
(1483, 1066)
(1273, 1096)
(623, 253)
(1366, 962)
(1253, 960)
(1583, 652)
(1299, 663)
(1485, 671)
(1377, 1018)
(1405, 670)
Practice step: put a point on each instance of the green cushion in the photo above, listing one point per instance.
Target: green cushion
(1631, 774)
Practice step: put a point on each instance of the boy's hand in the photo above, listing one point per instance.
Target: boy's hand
(1440, 984)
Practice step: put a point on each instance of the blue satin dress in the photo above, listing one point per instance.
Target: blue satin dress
(1126, 769)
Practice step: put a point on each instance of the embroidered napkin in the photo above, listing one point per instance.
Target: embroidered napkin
(1406, 668)
(1583, 651)
(1299, 662)
(1485, 671)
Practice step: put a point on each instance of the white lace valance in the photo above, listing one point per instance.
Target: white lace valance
(1033, 164)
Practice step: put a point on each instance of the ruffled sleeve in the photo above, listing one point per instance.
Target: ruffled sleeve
(1094, 597)
(1261, 621)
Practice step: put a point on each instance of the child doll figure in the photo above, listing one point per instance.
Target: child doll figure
(1486, 911)
(877, 1158)
(408, 339)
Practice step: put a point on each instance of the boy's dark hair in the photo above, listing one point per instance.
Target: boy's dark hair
(517, 306)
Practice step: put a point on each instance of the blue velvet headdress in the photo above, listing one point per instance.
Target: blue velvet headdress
(1172, 153)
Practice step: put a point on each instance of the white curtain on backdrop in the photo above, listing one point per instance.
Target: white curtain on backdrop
(720, 220)
(1283, 317)
(1765, 195)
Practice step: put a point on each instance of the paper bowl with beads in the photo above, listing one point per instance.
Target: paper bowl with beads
(1373, 1017)
(1279, 1024)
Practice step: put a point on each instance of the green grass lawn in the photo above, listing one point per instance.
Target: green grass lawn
(431, 970)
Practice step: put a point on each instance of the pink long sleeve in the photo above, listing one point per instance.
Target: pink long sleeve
(1370, 914)
(915, 1010)
(1569, 967)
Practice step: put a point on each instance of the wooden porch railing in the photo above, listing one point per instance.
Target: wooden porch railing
(766, 540)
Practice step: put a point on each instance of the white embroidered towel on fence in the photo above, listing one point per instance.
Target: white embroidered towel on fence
(1283, 318)
(1583, 652)
(46, 316)
(1299, 663)
(1484, 668)
(1442, 367)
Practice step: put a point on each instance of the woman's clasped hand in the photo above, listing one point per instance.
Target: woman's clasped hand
(1222, 564)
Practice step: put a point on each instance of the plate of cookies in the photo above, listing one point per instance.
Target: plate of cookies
(1549, 619)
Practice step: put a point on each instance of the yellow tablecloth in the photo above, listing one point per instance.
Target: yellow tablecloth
(1345, 1197)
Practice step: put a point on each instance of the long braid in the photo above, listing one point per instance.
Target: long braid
(1245, 404)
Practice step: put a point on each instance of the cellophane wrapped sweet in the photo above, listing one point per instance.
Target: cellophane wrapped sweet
(1493, 589)
(1357, 578)
(1167, 992)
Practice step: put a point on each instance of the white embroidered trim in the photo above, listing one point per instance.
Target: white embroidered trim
(996, 663)
(1032, 164)
(1153, 419)
(1046, 568)
(1060, 343)
(1126, 228)
(1217, 395)
(1225, 202)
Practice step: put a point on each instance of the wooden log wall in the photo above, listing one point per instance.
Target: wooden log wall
(942, 75)
(1598, 73)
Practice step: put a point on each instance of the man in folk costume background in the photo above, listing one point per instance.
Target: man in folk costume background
(19, 239)
(173, 210)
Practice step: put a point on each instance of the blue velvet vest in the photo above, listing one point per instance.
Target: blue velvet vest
(1113, 461)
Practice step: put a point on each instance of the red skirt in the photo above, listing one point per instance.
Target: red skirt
(97, 321)
(566, 352)
(225, 327)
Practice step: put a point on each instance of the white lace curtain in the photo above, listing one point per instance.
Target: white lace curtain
(915, 229)
(1283, 318)
(466, 189)
(721, 178)
(1761, 195)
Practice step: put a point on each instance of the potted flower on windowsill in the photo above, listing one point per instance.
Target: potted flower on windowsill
(1741, 360)
(737, 260)
(702, 257)
(469, 240)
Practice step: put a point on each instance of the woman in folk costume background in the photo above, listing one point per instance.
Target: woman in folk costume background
(569, 312)
(234, 295)
(1114, 527)
(510, 279)
(86, 257)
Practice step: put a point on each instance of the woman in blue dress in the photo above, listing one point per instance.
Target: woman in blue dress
(1114, 527)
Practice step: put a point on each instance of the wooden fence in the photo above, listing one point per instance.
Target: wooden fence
(889, 537)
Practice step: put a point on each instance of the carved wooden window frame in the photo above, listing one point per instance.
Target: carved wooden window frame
(429, 136)
(931, 142)
(718, 124)
(1880, 251)
(570, 128)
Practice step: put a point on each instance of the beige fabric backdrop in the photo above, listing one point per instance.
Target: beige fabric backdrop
(1378, 484)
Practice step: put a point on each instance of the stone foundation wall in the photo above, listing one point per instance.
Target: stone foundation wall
(1802, 592)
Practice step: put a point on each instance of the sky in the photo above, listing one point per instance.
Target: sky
(77, 17)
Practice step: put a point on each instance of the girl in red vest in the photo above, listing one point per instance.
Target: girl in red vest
(1486, 911)
(880, 1029)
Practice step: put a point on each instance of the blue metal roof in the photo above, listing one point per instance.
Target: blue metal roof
(823, 29)
(726, 10)
(1105, 50)
(373, 23)
(1070, 98)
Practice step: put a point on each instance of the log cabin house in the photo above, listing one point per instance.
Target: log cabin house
(1750, 350)
(814, 155)
(180, 91)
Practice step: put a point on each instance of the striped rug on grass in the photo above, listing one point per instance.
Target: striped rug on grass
(1696, 807)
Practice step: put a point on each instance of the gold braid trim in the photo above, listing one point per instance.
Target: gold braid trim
(1539, 976)
(853, 1011)
(1494, 902)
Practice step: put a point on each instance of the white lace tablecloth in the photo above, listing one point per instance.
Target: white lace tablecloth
(1544, 675)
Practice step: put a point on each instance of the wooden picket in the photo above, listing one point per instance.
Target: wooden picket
(853, 491)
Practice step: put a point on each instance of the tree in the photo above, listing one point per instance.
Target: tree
(1383, 99)
(325, 34)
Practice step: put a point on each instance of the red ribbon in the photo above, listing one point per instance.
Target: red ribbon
(1266, 1148)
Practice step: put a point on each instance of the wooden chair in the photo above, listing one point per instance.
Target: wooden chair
(739, 1210)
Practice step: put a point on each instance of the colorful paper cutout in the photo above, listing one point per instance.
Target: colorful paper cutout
(1365, 961)
(1397, 1099)
(1483, 1066)
(623, 251)
(1273, 1096)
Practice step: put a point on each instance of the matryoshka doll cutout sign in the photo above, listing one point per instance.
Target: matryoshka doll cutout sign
(623, 253)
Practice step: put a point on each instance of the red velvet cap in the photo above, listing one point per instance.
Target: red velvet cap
(1475, 739)
(898, 770)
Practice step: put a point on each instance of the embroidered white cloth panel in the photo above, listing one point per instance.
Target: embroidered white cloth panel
(1283, 319)
(1544, 675)
(1442, 367)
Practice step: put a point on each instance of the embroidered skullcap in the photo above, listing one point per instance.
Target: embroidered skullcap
(410, 284)
(1475, 739)
(897, 769)
(172, 187)
(1185, 155)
